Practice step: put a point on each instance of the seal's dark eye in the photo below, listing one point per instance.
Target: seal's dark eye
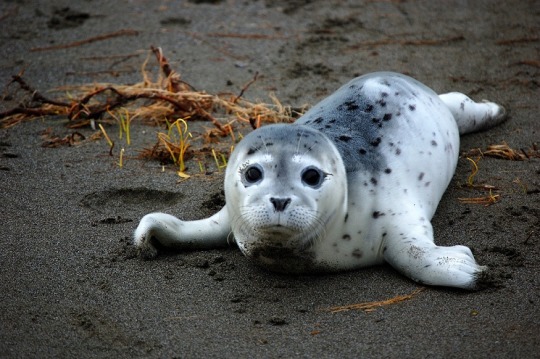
(253, 174)
(312, 177)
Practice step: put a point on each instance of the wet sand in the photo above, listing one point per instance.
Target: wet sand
(71, 283)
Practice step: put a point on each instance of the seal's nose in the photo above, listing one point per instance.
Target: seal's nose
(280, 203)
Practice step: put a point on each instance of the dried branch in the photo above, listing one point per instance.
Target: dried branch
(370, 306)
(486, 201)
(125, 32)
(36, 96)
(517, 41)
(173, 78)
(426, 42)
(248, 36)
(121, 99)
(246, 86)
(216, 48)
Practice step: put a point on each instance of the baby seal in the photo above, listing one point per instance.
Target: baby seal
(354, 182)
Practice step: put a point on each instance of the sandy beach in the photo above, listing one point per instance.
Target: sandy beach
(71, 282)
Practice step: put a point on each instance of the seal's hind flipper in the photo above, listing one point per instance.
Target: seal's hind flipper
(471, 116)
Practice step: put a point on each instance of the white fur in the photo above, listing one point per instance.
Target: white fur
(385, 147)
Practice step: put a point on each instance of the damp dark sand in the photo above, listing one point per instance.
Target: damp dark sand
(71, 285)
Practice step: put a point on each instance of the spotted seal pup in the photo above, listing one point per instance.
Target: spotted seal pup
(352, 183)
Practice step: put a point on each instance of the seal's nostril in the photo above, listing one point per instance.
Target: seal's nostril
(280, 203)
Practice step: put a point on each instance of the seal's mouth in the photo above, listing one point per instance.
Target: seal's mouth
(282, 259)
(277, 229)
(276, 233)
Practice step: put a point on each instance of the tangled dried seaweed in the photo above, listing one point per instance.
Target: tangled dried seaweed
(471, 184)
(162, 101)
(505, 152)
(501, 151)
(169, 98)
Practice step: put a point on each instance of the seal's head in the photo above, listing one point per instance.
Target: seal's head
(284, 186)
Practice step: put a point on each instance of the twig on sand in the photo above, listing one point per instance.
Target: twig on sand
(404, 42)
(486, 200)
(35, 94)
(371, 306)
(246, 86)
(519, 40)
(9, 13)
(175, 85)
(248, 36)
(124, 32)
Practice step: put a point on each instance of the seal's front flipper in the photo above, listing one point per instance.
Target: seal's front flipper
(168, 231)
(412, 252)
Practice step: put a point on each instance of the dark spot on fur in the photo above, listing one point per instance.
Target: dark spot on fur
(318, 120)
(377, 214)
(384, 249)
(357, 253)
(346, 217)
(412, 107)
(252, 150)
(382, 103)
(362, 151)
(434, 143)
(346, 237)
(384, 94)
(351, 105)
(369, 108)
(398, 151)
(387, 117)
(420, 176)
(373, 181)
(427, 184)
(388, 170)
(344, 138)
(376, 142)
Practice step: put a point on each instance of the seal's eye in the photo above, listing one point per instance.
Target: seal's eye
(312, 177)
(253, 174)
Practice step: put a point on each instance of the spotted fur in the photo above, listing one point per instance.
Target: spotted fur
(352, 183)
